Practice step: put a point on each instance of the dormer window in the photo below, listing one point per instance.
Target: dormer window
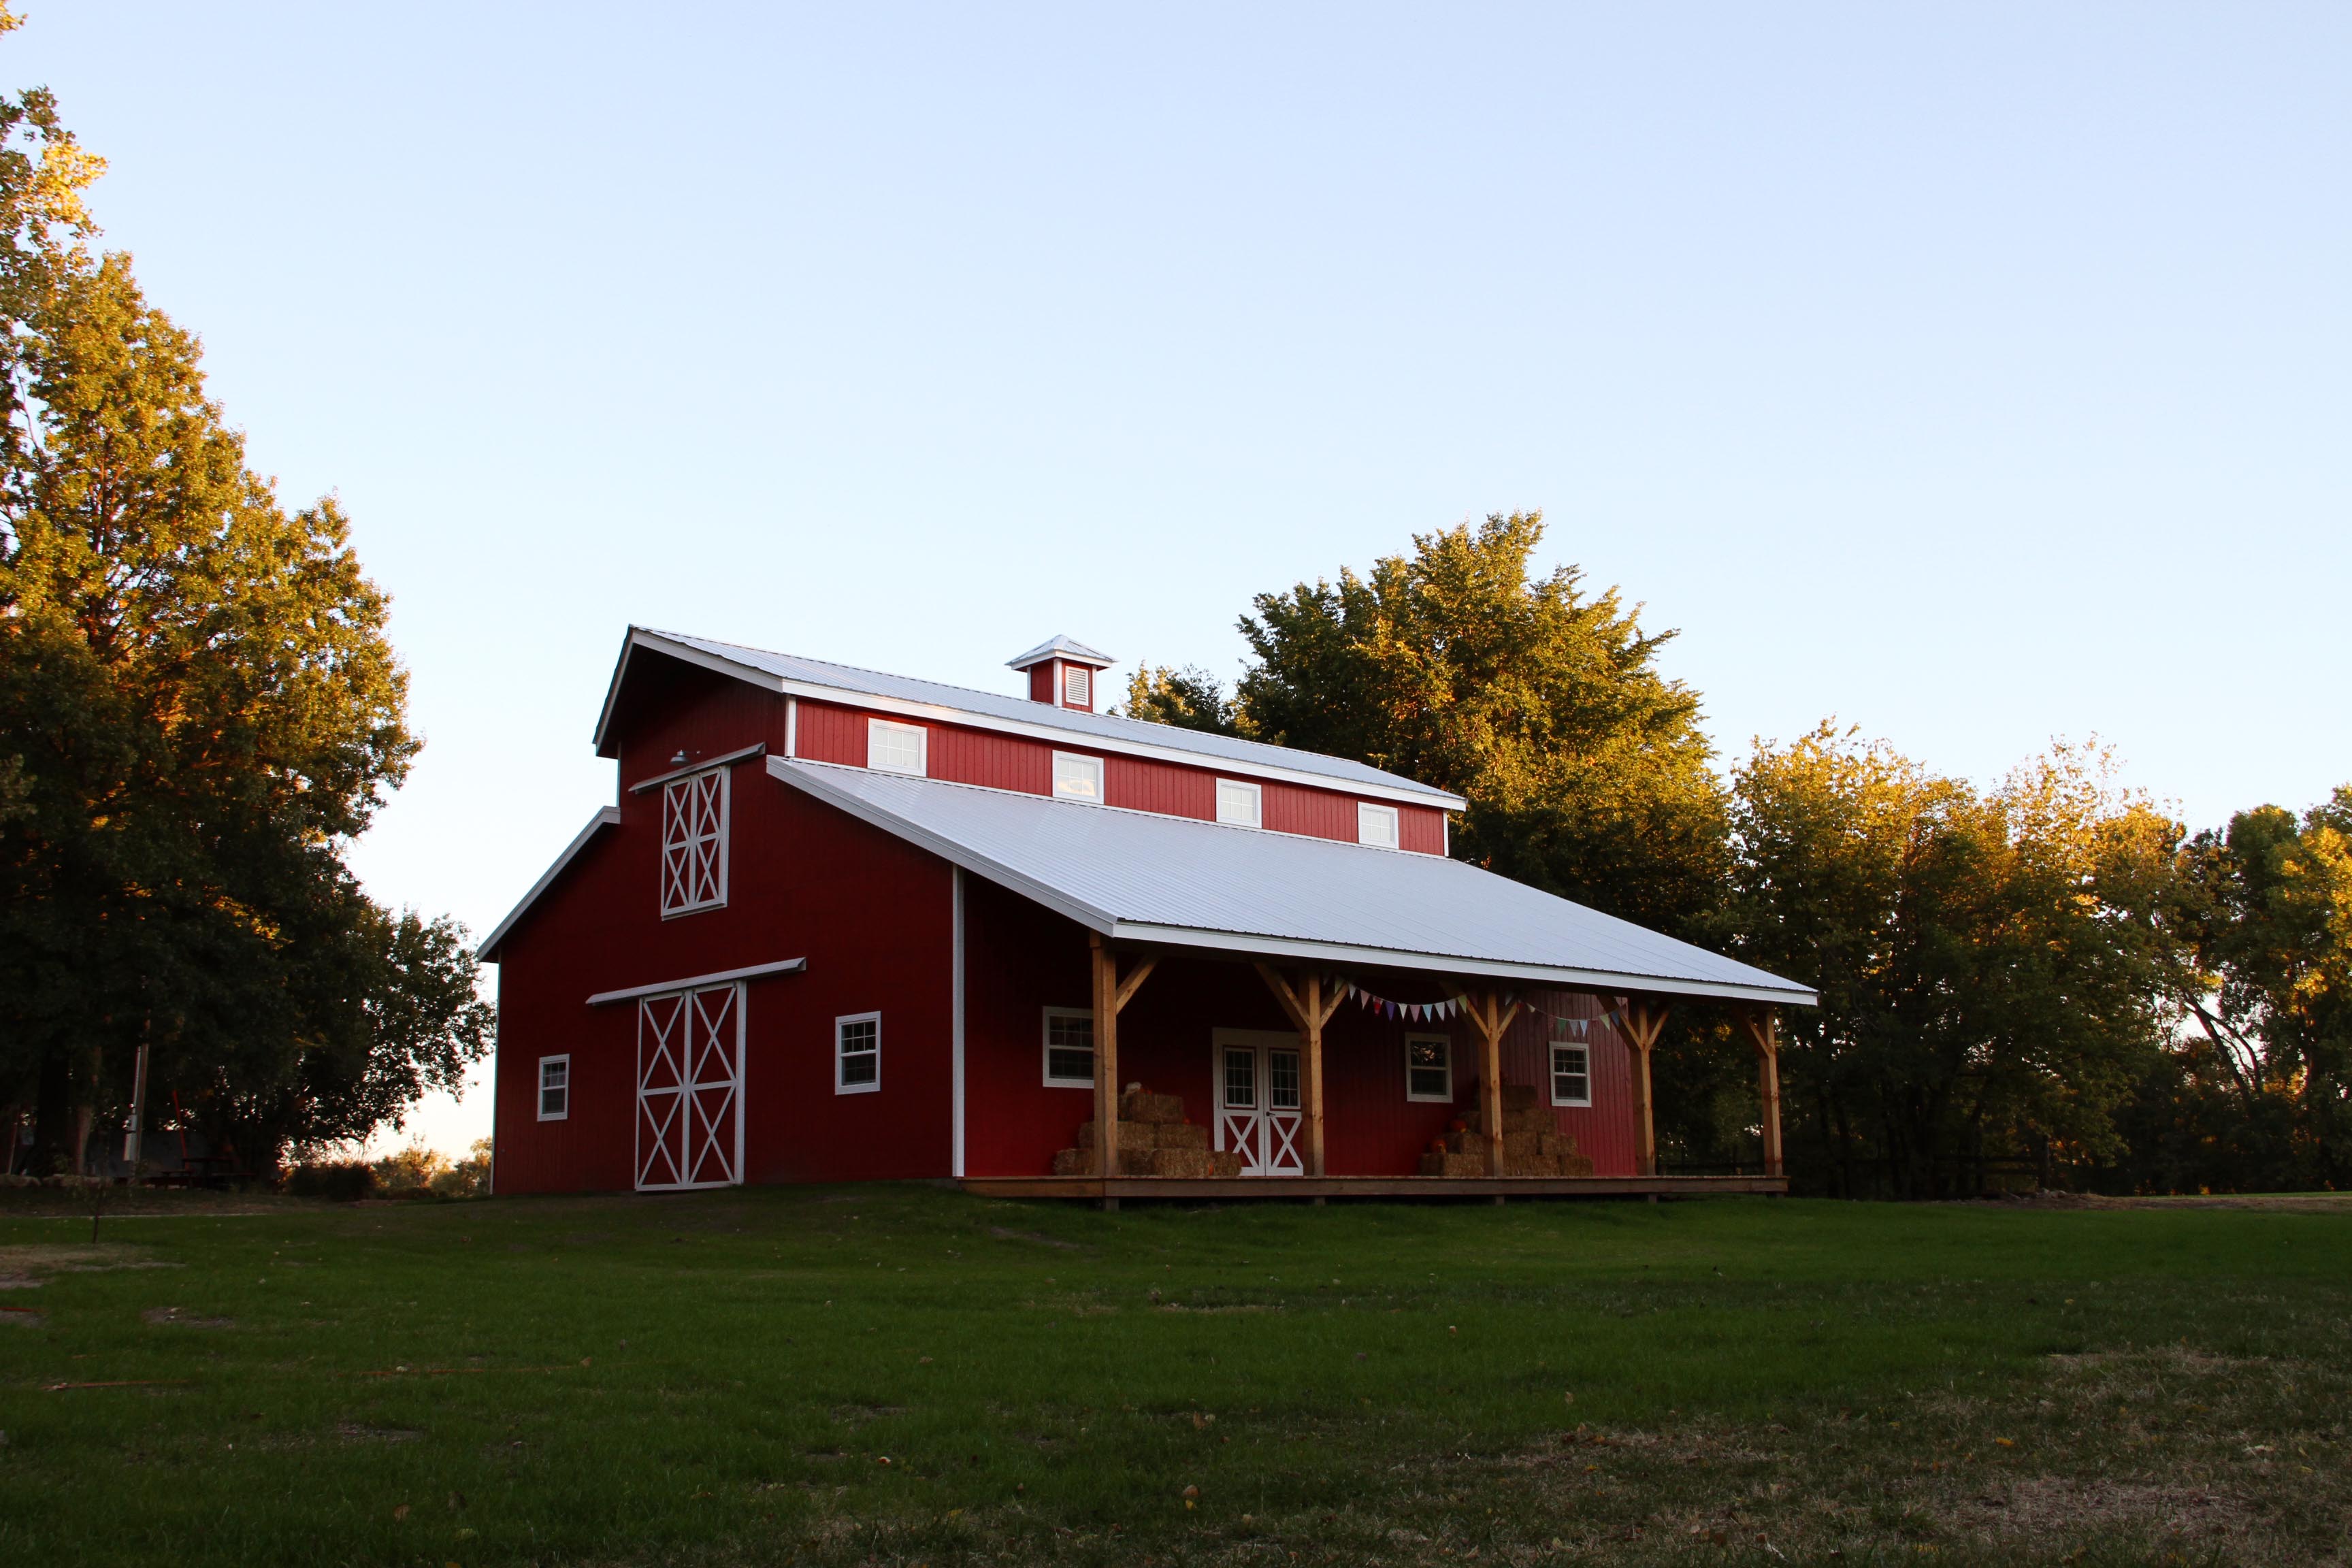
(1376, 825)
(1240, 804)
(896, 748)
(1078, 777)
(1079, 686)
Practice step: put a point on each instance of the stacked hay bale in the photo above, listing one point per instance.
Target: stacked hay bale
(1154, 1140)
(1532, 1146)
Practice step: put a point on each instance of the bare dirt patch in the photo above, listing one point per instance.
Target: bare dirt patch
(24, 1267)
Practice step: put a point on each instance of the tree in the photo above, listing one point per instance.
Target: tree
(2262, 1094)
(199, 709)
(1186, 699)
(1991, 966)
(1584, 767)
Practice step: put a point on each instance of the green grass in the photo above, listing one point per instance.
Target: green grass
(720, 1378)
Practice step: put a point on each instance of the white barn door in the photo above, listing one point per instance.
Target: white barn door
(1259, 1109)
(690, 1090)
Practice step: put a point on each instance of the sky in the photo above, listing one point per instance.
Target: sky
(1980, 375)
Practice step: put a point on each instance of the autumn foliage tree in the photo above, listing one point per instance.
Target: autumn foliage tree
(199, 709)
(1542, 704)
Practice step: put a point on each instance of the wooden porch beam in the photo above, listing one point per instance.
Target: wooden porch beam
(1106, 1031)
(1135, 979)
(1487, 1011)
(1643, 1022)
(1764, 1029)
(1308, 1008)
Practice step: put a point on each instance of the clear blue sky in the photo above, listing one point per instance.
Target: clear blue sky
(1978, 374)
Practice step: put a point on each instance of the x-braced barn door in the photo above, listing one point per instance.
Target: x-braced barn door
(1258, 1106)
(690, 1090)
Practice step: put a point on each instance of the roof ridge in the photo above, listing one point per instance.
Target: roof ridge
(1148, 727)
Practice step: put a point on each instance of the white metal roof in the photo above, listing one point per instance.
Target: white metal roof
(1066, 647)
(1142, 876)
(1018, 715)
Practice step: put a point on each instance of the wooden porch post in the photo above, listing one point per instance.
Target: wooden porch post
(1110, 995)
(1644, 1024)
(1487, 1013)
(1106, 1031)
(1764, 1029)
(1308, 1010)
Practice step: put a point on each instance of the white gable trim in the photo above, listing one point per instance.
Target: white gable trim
(845, 696)
(606, 816)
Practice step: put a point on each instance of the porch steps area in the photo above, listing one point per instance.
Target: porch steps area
(1532, 1144)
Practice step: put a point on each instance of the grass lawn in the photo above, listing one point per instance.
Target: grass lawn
(906, 1375)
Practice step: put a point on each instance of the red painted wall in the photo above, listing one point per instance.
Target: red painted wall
(872, 916)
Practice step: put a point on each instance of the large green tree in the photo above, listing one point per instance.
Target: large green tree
(1542, 705)
(199, 709)
(1992, 964)
(2258, 1090)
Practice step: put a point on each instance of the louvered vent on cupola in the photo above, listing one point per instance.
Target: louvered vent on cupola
(1063, 672)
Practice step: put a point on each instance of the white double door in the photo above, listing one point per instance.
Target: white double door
(690, 1090)
(1260, 1100)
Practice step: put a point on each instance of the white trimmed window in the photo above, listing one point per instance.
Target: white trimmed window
(554, 1088)
(1069, 1047)
(1078, 777)
(898, 748)
(1239, 803)
(1572, 1074)
(1376, 825)
(694, 843)
(858, 1054)
(1429, 1068)
(1078, 686)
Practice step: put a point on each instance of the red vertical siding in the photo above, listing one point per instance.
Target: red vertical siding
(1041, 681)
(1142, 783)
(870, 913)
(829, 732)
(1421, 829)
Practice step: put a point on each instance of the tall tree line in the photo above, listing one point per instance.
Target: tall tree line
(199, 709)
(2046, 981)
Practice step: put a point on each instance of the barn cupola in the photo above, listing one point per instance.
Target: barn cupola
(1064, 672)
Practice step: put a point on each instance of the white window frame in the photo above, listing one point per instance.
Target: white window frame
(563, 1064)
(680, 867)
(1045, 1036)
(1091, 766)
(1424, 1039)
(1078, 686)
(1368, 815)
(1553, 1062)
(840, 1058)
(876, 729)
(1243, 789)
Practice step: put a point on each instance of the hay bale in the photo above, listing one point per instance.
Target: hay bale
(1073, 1162)
(1224, 1162)
(1190, 1164)
(1155, 1110)
(1555, 1143)
(1520, 1097)
(1575, 1165)
(1453, 1165)
(1182, 1135)
(1133, 1136)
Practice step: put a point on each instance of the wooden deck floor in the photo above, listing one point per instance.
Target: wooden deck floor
(1220, 1188)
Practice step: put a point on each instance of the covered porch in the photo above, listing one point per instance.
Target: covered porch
(1516, 1137)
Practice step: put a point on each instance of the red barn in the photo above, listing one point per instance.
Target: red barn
(841, 925)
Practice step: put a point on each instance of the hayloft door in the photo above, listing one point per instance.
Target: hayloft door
(690, 1090)
(1259, 1102)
